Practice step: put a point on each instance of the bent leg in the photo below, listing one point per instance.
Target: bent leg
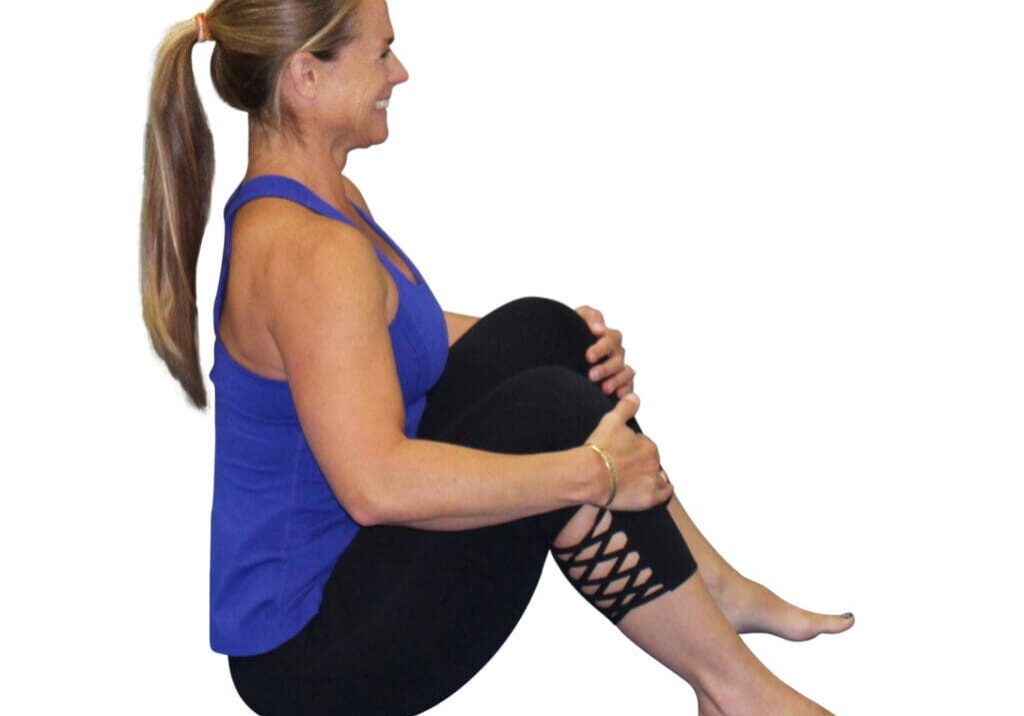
(627, 558)
(521, 335)
(634, 567)
(532, 332)
(408, 616)
(531, 351)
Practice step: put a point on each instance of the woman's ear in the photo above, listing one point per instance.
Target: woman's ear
(301, 76)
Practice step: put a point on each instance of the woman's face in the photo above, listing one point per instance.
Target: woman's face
(360, 80)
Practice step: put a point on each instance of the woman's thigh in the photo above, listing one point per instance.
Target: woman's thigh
(408, 616)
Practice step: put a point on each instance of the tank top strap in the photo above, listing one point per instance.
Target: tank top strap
(267, 185)
(281, 187)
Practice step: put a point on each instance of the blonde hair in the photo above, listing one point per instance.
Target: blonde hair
(254, 40)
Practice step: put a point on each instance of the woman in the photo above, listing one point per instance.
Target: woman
(390, 477)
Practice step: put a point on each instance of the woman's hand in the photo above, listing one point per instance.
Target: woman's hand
(607, 356)
(642, 483)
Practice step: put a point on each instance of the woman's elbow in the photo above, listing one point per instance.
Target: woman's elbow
(360, 502)
(363, 513)
(365, 493)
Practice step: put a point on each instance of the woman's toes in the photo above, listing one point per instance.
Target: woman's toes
(814, 624)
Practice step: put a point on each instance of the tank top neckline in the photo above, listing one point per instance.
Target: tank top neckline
(329, 210)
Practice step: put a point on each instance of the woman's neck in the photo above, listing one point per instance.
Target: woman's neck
(310, 162)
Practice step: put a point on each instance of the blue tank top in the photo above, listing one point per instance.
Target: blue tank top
(277, 528)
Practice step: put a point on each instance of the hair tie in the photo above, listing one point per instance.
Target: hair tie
(202, 27)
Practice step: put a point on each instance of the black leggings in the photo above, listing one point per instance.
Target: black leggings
(408, 616)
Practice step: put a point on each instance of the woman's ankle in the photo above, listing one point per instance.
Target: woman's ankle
(718, 577)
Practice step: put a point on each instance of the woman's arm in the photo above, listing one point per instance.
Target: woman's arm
(326, 309)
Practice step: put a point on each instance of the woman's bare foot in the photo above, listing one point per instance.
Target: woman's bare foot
(753, 608)
(750, 607)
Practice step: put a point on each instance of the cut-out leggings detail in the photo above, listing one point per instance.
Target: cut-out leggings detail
(622, 588)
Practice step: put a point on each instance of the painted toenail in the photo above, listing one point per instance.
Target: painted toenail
(847, 615)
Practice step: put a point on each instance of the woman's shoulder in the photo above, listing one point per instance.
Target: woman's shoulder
(270, 228)
(271, 217)
(280, 244)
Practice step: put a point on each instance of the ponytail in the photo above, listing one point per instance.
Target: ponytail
(175, 207)
(254, 39)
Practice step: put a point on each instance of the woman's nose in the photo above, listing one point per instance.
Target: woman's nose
(400, 74)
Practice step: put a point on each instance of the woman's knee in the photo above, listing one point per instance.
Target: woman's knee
(518, 336)
(547, 317)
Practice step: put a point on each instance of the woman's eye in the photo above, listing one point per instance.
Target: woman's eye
(386, 53)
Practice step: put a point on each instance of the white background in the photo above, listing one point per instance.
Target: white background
(805, 217)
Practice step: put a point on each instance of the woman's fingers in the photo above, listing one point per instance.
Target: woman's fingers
(624, 389)
(607, 344)
(620, 379)
(666, 493)
(594, 319)
(627, 407)
(609, 368)
(641, 481)
(607, 355)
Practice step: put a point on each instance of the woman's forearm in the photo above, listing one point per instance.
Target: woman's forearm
(439, 486)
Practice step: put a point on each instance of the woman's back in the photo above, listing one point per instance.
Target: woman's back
(277, 525)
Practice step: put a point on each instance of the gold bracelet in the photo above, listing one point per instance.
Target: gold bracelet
(610, 464)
